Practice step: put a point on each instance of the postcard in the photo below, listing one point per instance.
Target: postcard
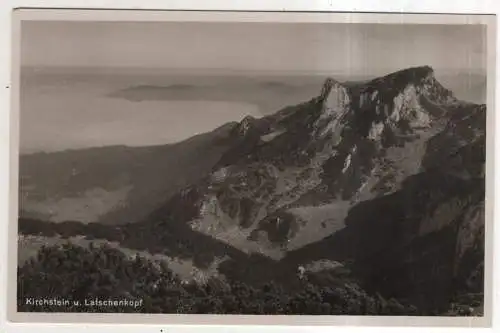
(251, 167)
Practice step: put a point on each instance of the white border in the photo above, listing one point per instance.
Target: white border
(386, 6)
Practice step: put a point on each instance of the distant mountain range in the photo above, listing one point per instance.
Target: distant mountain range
(384, 176)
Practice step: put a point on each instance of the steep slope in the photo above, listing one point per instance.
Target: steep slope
(424, 242)
(291, 177)
(114, 184)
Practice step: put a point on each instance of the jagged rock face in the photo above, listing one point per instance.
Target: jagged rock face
(245, 125)
(407, 107)
(399, 98)
(335, 105)
(293, 176)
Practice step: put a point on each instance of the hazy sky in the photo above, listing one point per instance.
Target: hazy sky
(365, 48)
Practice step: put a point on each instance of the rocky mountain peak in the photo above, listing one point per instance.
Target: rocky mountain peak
(336, 100)
(414, 74)
(334, 95)
(329, 85)
(245, 125)
(402, 101)
(420, 79)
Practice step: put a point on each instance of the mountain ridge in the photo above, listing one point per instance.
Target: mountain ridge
(385, 177)
(319, 141)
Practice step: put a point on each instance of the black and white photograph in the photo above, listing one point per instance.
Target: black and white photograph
(252, 168)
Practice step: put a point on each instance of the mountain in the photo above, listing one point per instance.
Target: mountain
(423, 242)
(386, 175)
(116, 184)
(383, 178)
(291, 177)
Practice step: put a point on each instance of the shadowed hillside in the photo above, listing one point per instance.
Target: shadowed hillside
(114, 185)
